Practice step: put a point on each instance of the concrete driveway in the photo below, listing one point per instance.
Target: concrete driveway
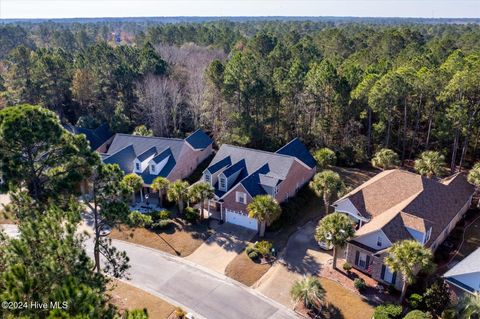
(302, 257)
(205, 293)
(220, 249)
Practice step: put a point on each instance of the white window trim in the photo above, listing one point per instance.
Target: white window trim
(241, 195)
(224, 180)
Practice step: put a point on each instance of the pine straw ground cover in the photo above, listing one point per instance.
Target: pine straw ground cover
(180, 238)
(128, 297)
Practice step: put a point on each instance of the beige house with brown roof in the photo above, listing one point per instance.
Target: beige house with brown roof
(397, 205)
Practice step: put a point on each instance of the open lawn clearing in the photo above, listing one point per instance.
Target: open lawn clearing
(310, 207)
(128, 297)
(345, 303)
(179, 239)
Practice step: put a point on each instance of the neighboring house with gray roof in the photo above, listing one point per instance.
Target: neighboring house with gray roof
(466, 274)
(396, 205)
(239, 174)
(98, 138)
(151, 157)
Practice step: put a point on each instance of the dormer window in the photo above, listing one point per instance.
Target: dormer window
(223, 183)
(152, 168)
(206, 177)
(379, 241)
(137, 166)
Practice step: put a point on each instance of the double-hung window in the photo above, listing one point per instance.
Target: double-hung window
(241, 197)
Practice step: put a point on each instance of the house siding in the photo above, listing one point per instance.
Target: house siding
(376, 263)
(187, 162)
(298, 176)
(230, 201)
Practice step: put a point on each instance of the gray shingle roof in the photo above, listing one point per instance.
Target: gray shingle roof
(123, 157)
(297, 149)
(199, 140)
(468, 265)
(258, 167)
(125, 148)
(215, 166)
(148, 153)
(95, 137)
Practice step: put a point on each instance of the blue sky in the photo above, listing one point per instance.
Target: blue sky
(142, 8)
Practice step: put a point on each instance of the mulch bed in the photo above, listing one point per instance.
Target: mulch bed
(345, 279)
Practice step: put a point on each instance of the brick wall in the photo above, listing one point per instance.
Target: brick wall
(230, 201)
(298, 174)
(187, 162)
(296, 178)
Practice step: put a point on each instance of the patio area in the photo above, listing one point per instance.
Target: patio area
(146, 202)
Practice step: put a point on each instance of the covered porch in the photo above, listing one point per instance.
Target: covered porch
(145, 200)
(211, 209)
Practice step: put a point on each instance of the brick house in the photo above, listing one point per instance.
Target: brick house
(151, 157)
(239, 174)
(396, 205)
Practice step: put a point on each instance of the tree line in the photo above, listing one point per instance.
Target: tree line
(354, 88)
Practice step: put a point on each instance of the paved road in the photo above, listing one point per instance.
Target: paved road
(222, 247)
(205, 292)
(302, 257)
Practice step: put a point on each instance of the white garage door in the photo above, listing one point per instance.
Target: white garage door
(241, 220)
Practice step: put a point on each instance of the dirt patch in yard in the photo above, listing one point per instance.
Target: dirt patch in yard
(346, 304)
(128, 297)
(244, 270)
(179, 239)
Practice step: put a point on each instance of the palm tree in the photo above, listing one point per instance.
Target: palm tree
(469, 306)
(385, 159)
(325, 157)
(327, 184)
(474, 177)
(408, 257)
(160, 185)
(266, 209)
(430, 163)
(177, 192)
(309, 291)
(134, 183)
(335, 229)
(201, 192)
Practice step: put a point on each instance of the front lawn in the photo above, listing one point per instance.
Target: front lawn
(128, 297)
(180, 238)
(300, 209)
(244, 270)
(344, 303)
